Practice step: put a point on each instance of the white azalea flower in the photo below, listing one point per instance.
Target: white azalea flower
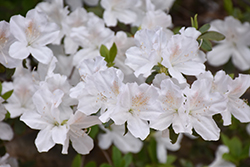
(118, 10)
(123, 42)
(163, 143)
(57, 14)
(199, 108)
(125, 143)
(86, 69)
(236, 106)
(91, 37)
(81, 142)
(101, 92)
(7, 161)
(154, 19)
(21, 99)
(232, 90)
(50, 117)
(148, 52)
(33, 33)
(74, 4)
(219, 161)
(163, 4)
(181, 57)
(6, 132)
(6, 39)
(235, 44)
(171, 99)
(136, 105)
(77, 18)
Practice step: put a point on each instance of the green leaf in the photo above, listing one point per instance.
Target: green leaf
(228, 5)
(7, 115)
(235, 147)
(171, 159)
(96, 10)
(90, 164)
(231, 75)
(229, 157)
(112, 53)
(176, 30)
(244, 153)
(225, 139)
(133, 30)
(104, 51)
(116, 157)
(77, 161)
(194, 21)
(206, 45)
(105, 165)
(128, 159)
(212, 35)
(151, 77)
(6, 95)
(204, 28)
(94, 131)
(152, 150)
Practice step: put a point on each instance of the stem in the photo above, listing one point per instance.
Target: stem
(71, 73)
(83, 159)
(107, 157)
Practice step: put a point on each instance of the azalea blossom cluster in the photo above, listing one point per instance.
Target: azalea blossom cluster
(73, 89)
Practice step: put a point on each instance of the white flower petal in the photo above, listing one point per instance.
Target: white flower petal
(44, 140)
(43, 54)
(6, 132)
(19, 50)
(219, 55)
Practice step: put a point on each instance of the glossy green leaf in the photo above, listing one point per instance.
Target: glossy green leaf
(212, 35)
(152, 150)
(90, 164)
(244, 153)
(6, 95)
(206, 45)
(151, 77)
(133, 30)
(194, 21)
(77, 161)
(112, 52)
(116, 157)
(225, 140)
(128, 159)
(204, 28)
(105, 165)
(230, 158)
(171, 159)
(104, 51)
(235, 146)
